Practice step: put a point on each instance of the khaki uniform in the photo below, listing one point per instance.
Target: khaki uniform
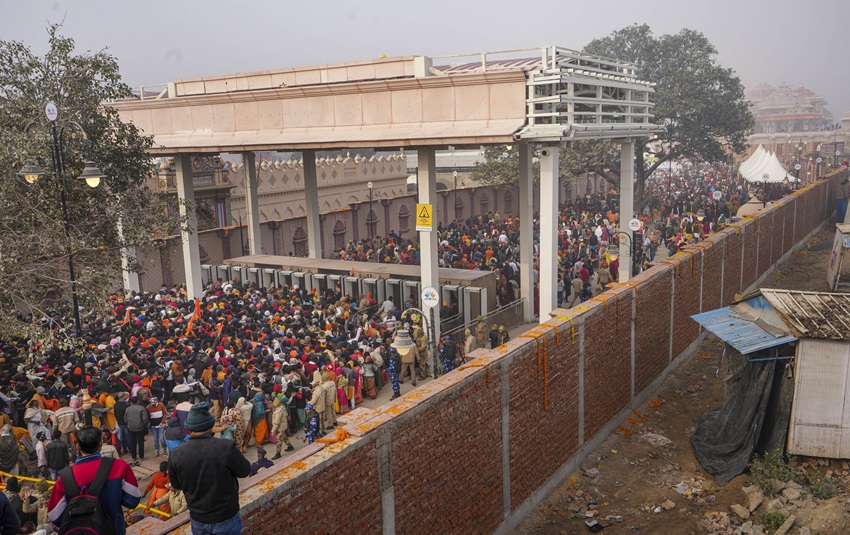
(330, 398)
(422, 351)
(408, 358)
(318, 403)
(279, 424)
(481, 334)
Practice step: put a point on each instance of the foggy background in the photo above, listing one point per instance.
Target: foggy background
(155, 41)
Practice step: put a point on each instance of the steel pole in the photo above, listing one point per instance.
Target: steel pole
(59, 167)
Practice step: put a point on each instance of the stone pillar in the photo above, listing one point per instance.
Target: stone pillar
(129, 277)
(627, 207)
(252, 204)
(311, 197)
(526, 231)
(189, 236)
(429, 265)
(548, 231)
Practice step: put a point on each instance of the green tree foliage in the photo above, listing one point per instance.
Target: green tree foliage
(33, 247)
(701, 103)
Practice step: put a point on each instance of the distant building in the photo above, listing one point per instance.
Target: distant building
(794, 124)
(785, 109)
(219, 185)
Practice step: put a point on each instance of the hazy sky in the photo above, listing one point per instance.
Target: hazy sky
(774, 41)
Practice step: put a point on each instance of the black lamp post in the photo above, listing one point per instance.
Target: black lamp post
(370, 217)
(91, 174)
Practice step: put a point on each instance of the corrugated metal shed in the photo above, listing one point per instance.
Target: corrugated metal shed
(745, 335)
(818, 315)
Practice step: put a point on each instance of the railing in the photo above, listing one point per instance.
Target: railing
(509, 315)
(450, 323)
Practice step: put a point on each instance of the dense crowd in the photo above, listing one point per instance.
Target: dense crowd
(272, 362)
(680, 210)
(276, 363)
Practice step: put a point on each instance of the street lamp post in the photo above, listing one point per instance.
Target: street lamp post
(454, 175)
(370, 216)
(91, 174)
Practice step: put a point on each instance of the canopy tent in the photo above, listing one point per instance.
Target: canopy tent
(764, 167)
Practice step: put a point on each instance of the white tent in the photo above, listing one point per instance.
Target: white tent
(764, 167)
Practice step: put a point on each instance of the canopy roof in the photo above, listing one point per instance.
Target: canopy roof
(764, 167)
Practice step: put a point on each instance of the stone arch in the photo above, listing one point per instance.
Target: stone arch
(337, 204)
(300, 211)
(288, 213)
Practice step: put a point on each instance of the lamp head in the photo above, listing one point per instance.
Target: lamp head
(30, 172)
(92, 174)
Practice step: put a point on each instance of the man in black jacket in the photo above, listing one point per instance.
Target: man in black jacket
(206, 470)
(57, 455)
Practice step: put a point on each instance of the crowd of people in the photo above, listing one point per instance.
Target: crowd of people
(270, 364)
(680, 209)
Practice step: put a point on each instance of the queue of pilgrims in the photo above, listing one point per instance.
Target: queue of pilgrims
(277, 363)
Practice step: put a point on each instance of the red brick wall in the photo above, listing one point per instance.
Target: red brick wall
(686, 300)
(732, 241)
(749, 234)
(447, 462)
(607, 360)
(713, 269)
(529, 416)
(652, 325)
(319, 503)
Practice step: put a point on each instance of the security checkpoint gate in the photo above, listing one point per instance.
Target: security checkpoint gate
(320, 282)
(222, 272)
(376, 288)
(283, 278)
(335, 283)
(351, 287)
(393, 287)
(451, 294)
(207, 274)
(474, 303)
(410, 290)
(300, 279)
(253, 276)
(267, 278)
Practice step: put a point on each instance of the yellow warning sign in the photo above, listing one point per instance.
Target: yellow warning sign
(424, 219)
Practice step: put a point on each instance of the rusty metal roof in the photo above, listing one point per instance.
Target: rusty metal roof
(819, 315)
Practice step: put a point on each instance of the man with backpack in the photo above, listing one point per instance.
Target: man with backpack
(87, 497)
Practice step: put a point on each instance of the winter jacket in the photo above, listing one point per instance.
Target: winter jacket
(206, 469)
(137, 418)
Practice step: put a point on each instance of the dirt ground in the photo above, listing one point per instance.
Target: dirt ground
(630, 485)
